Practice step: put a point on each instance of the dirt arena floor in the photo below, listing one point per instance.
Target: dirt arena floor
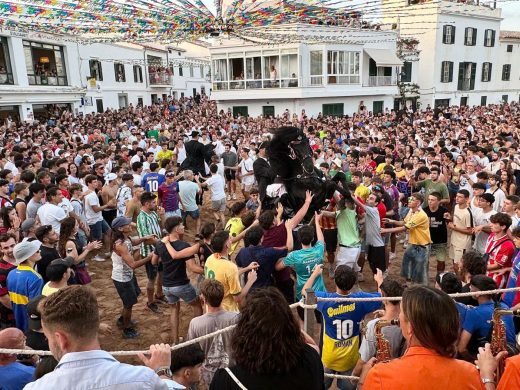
(155, 328)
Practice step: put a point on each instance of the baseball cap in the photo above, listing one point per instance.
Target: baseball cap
(263, 145)
(120, 222)
(110, 177)
(27, 224)
(170, 174)
(35, 320)
(25, 249)
(377, 188)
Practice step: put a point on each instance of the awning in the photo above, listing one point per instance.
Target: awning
(384, 57)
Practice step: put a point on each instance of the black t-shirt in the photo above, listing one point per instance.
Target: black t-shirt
(174, 271)
(36, 340)
(48, 254)
(438, 230)
(307, 375)
(467, 300)
(266, 257)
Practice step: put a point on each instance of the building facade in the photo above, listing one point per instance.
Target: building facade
(463, 56)
(39, 72)
(326, 74)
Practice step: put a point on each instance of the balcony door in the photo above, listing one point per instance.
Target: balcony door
(467, 72)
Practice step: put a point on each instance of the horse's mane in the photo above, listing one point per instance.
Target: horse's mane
(278, 150)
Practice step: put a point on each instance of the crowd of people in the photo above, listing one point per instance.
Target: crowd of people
(131, 185)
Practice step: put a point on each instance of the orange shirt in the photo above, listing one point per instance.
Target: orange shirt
(511, 377)
(423, 369)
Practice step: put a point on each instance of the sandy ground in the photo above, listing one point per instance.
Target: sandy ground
(155, 328)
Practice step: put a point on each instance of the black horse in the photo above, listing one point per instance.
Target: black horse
(291, 158)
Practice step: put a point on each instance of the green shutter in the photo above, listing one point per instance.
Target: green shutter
(461, 76)
(450, 78)
(473, 74)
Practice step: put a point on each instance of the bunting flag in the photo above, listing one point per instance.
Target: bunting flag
(166, 21)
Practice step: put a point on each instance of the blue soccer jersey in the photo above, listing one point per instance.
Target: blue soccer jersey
(152, 181)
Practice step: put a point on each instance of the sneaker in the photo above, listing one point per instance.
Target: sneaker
(107, 254)
(405, 245)
(130, 333)
(119, 322)
(153, 307)
(392, 255)
(161, 299)
(228, 197)
(234, 196)
(401, 241)
(99, 258)
(360, 277)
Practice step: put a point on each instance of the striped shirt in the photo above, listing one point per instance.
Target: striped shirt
(148, 223)
(23, 283)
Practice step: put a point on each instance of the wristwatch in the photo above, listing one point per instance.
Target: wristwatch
(488, 380)
(165, 370)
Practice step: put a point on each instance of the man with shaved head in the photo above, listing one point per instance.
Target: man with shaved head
(14, 374)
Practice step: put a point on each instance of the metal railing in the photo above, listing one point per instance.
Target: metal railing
(160, 78)
(381, 81)
(256, 84)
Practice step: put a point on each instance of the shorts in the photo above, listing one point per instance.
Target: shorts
(109, 215)
(195, 214)
(456, 254)
(376, 258)
(98, 230)
(152, 270)
(229, 174)
(185, 292)
(246, 187)
(349, 256)
(331, 239)
(415, 263)
(440, 251)
(176, 213)
(128, 292)
(219, 205)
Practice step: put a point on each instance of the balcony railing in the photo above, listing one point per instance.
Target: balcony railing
(255, 84)
(381, 81)
(46, 80)
(465, 85)
(160, 78)
(6, 78)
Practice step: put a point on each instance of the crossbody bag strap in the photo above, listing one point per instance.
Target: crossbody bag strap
(230, 373)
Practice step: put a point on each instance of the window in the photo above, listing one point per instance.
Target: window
(191, 70)
(240, 111)
(180, 71)
(254, 72)
(268, 111)
(406, 72)
(506, 72)
(202, 74)
(45, 63)
(489, 38)
(335, 109)
(509, 48)
(96, 70)
(377, 107)
(486, 71)
(343, 67)
(483, 100)
(6, 74)
(505, 98)
(446, 72)
(119, 71)
(448, 34)
(316, 67)
(467, 72)
(289, 70)
(138, 74)
(470, 36)
(220, 74)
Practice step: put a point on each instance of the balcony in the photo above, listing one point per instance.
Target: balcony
(255, 84)
(39, 79)
(6, 78)
(381, 81)
(160, 78)
(465, 85)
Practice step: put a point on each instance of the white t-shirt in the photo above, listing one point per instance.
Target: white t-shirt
(216, 184)
(50, 214)
(91, 216)
(481, 218)
(246, 166)
(500, 196)
(137, 178)
(135, 158)
(181, 155)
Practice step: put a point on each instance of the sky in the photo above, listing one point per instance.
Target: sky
(511, 15)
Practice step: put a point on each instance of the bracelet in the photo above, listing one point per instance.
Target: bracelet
(488, 380)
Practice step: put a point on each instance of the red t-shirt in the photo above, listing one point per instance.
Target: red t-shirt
(500, 252)
(381, 208)
(6, 315)
(274, 238)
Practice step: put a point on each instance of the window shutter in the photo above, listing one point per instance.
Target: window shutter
(473, 74)
(474, 38)
(461, 76)
(466, 32)
(489, 71)
(444, 38)
(492, 38)
(100, 70)
(452, 34)
(450, 77)
(443, 64)
(483, 76)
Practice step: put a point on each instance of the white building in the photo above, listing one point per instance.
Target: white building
(336, 69)
(463, 57)
(39, 71)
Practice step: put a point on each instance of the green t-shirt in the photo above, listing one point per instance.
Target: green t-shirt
(429, 187)
(303, 261)
(153, 133)
(348, 233)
